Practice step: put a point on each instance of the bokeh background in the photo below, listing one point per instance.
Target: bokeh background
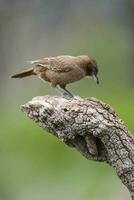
(33, 164)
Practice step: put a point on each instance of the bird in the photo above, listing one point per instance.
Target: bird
(62, 70)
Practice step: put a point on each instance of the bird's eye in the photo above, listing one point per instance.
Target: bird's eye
(65, 109)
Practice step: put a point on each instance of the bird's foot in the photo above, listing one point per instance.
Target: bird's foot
(64, 93)
(67, 96)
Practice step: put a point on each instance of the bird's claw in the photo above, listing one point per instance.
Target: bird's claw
(67, 95)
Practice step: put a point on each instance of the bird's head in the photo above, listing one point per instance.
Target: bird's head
(92, 69)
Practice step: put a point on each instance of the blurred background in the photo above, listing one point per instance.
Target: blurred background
(33, 164)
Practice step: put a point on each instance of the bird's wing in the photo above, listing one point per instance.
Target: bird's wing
(57, 64)
(45, 62)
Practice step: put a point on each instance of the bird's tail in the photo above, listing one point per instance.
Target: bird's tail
(25, 73)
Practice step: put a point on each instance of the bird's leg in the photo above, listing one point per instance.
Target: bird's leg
(63, 92)
(58, 90)
(66, 92)
(54, 86)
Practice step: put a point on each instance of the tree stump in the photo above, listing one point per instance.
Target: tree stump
(91, 127)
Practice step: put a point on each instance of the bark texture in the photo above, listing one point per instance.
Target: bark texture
(91, 127)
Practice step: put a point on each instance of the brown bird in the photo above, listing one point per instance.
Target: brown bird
(62, 70)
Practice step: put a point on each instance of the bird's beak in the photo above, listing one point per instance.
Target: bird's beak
(95, 77)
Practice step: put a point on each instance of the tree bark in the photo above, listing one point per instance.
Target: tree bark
(91, 127)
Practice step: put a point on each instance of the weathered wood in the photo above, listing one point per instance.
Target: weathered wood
(90, 126)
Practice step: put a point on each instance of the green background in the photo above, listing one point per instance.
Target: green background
(33, 164)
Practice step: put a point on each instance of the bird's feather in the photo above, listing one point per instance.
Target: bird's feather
(58, 64)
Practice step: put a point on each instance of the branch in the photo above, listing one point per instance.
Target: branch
(90, 126)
